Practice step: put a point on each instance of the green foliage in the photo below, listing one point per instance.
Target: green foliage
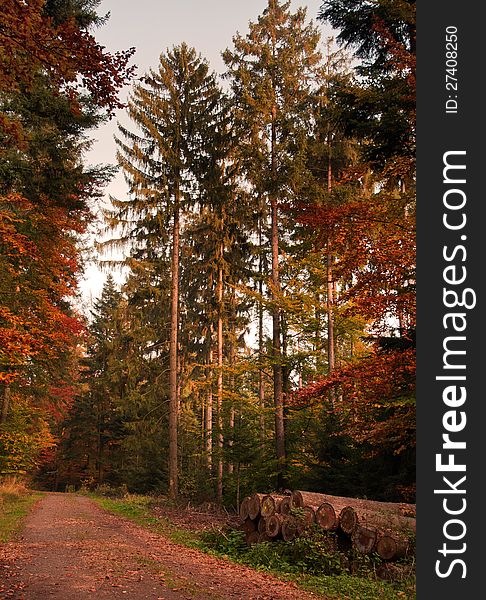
(23, 437)
(315, 555)
(315, 563)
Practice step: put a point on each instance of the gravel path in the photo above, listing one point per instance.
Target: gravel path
(71, 549)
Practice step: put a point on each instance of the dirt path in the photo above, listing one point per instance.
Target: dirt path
(73, 549)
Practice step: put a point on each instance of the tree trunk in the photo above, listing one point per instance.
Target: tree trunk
(237, 484)
(174, 326)
(382, 519)
(331, 358)
(284, 354)
(330, 315)
(302, 498)
(261, 380)
(391, 546)
(219, 294)
(231, 382)
(209, 405)
(299, 499)
(276, 317)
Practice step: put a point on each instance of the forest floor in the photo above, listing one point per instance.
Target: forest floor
(71, 549)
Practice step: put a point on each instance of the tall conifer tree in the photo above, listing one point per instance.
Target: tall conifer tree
(272, 71)
(174, 111)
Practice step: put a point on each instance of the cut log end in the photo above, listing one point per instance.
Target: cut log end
(244, 508)
(285, 506)
(274, 525)
(270, 504)
(255, 505)
(326, 517)
(348, 519)
(364, 539)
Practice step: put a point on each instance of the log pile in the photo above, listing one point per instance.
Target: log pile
(385, 528)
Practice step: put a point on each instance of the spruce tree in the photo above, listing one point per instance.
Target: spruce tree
(272, 70)
(173, 110)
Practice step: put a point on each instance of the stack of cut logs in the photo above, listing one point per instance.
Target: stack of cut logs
(370, 526)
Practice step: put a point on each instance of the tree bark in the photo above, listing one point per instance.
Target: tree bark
(301, 498)
(391, 546)
(219, 294)
(382, 519)
(209, 405)
(330, 315)
(231, 382)
(276, 316)
(261, 380)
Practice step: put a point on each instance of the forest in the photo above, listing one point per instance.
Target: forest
(264, 336)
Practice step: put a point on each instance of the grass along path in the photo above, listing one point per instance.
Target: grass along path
(15, 504)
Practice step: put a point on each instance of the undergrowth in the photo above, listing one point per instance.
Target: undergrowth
(315, 562)
(15, 503)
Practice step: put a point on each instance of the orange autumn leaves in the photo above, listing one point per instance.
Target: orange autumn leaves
(38, 266)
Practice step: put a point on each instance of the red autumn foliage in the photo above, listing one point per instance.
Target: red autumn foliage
(29, 40)
(376, 398)
(375, 249)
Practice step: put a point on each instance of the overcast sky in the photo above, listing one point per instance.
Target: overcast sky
(152, 26)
